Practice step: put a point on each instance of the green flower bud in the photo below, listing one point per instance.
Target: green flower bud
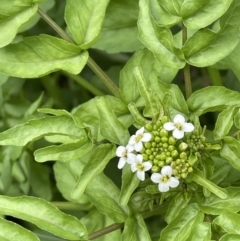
(171, 140)
(203, 139)
(183, 175)
(154, 144)
(165, 145)
(161, 163)
(155, 168)
(168, 153)
(157, 139)
(174, 153)
(145, 156)
(155, 133)
(163, 157)
(169, 160)
(190, 169)
(143, 150)
(155, 127)
(171, 148)
(151, 157)
(148, 152)
(148, 127)
(158, 157)
(178, 161)
(173, 164)
(155, 161)
(201, 147)
(183, 146)
(147, 145)
(164, 133)
(159, 123)
(164, 119)
(183, 155)
(175, 172)
(164, 139)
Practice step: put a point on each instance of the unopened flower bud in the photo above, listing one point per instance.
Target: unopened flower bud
(164, 119)
(148, 127)
(171, 140)
(155, 168)
(183, 146)
(164, 133)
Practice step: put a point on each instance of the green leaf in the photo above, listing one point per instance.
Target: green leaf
(229, 221)
(223, 97)
(215, 205)
(13, 15)
(135, 229)
(179, 202)
(152, 71)
(85, 20)
(130, 182)
(34, 129)
(152, 108)
(96, 164)
(181, 227)
(230, 237)
(104, 194)
(201, 13)
(173, 7)
(44, 215)
(110, 127)
(120, 21)
(224, 123)
(198, 177)
(201, 232)
(64, 152)
(237, 119)
(13, 232)
(158, 39)
(50, 54)
(202, 49)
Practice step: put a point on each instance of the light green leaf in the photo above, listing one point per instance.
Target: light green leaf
(173, 7)
(96, 164)
(64, 152)
(110, 127)
(201, 13)
(13, 15)
(130, 182)
(104, 194)
(224, 123)
(120, 21)
(50, 54)
(202, 49)
(152, 108)
(84, 19)
(158, 39)
(201, 232)
(138, 118)
(32, 130)
(237, 119)
(230, 237)
(216, 98)
(13, 232)
(135, 229)
(215, 205)
(229, 221)
(197, 176)
(44, 215)
(176, 205)
(181, 227)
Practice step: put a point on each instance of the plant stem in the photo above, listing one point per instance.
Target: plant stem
(186, 70)
(67, 205)
(215, 77)
(91, 63)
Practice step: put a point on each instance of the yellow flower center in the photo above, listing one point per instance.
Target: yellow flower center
(178, 126)
(138, 137)
(140, 167)
(165, 179)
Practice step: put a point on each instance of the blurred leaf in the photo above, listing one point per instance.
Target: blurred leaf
(120, 21)
(104, 194)
(85, 20)
(50, 54)
(201, 13)
(44, 215)
(223, 97)
(229, 221)
(230, 237)
(158, 39)
(13, 15)
(201, 232)
(237, 119)
(13, 232)
(215, 205)
(173, 8)
(32, 130)
(96, 164)
(181, 227)
(135, 229)
(130, 182)
(202, 49)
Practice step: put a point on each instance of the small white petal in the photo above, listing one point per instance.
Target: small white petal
(134, 167)
(156, 177)
(139, 158)
(146, 137)
(138, 146)
(120, 150)
(178, 134)
(121, 163)
(169, 126)
(188, 127)
(147, 166)
(163, 187)
(166, 171)
(141, 175)
(131, 158)
(132, 140)
(179, 119)
(130, 148)
(140, 131)
(173, 182)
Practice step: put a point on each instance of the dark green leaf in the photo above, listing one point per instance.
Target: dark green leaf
(50, 54)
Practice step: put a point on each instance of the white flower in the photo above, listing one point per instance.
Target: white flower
(179, 126)
(125, 155)
(165, 179)
(138, 139)
(141, 167)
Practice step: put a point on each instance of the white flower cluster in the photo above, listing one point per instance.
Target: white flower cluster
(129, 154)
